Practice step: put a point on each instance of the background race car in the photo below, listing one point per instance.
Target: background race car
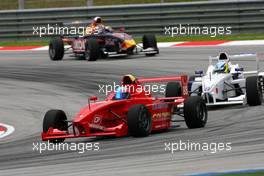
(226, 83)
(102, 43)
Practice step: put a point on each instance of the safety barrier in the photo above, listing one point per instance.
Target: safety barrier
(242, 16)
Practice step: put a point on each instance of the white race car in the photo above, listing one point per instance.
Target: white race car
(225, 83)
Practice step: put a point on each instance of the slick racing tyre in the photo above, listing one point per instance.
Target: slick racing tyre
(92, 50)
(55, 119)
(149, 41)
(56, 49)
(139, 121)
(253, 91)
(173, 89)
(195, 112)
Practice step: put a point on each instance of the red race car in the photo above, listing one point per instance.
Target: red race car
(130, 110)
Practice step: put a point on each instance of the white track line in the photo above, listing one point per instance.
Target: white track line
(44, 48)
(168, 44)
(243, 42)
(10, 129)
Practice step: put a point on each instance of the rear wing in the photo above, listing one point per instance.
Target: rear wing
(183, 79)
(225, 56)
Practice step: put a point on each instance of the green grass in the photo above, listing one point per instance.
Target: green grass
(29, 4)
(244, 174)
(159, 39)
(22, 43)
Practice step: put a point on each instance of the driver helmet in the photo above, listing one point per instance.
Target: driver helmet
(97, 20)
(129, 79)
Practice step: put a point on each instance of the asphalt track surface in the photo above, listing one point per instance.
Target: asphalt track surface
(31, 84)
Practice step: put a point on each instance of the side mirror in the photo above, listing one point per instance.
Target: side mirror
(198, 72)
(93, 98)
(239, 69)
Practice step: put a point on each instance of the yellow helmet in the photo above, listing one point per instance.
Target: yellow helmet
(129, 79)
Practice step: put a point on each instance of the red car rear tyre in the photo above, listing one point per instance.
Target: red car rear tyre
(173, 89)
(139, 121)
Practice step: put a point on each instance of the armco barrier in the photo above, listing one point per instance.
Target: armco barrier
(242, 16)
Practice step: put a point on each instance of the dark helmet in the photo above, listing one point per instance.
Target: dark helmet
(129, 79)
(97, 20)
